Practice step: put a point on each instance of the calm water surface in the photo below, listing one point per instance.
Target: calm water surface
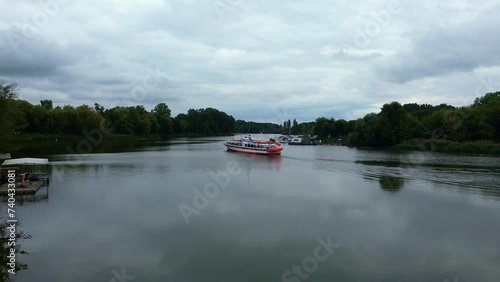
(392, 217)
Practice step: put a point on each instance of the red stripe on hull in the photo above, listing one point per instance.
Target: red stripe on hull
(264, 153)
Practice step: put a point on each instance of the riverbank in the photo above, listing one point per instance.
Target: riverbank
(483, 147)
(107, 143)
(43, 145)
(61, 137)
(450, 147)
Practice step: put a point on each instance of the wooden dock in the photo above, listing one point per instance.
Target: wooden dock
(31, 187)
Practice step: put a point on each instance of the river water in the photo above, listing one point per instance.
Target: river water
(187, 210)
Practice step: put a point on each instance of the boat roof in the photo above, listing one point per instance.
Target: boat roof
(25, 161)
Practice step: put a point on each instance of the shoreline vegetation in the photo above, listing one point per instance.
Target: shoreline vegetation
(473, 129)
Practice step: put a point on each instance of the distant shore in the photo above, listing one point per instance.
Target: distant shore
(483, 147)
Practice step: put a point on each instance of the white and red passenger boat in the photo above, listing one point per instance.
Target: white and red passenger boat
(251, 146)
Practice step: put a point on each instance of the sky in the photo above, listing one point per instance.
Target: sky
(256, 60)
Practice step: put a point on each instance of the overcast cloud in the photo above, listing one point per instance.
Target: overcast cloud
(256, 60)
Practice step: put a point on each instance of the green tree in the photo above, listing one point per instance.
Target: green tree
(322, 127)
(8, 92)
(341, 127)
(88, 119)
(161, 110)
(488, 107)
(367, 132)
(165, 122)
(98, 108)
(392, 118)
(47, 104)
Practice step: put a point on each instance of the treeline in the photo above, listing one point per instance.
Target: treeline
(20, 117)
(396, 124)
(295, 128)
(257, 127)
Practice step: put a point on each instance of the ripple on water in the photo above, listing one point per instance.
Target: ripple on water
(471, 175)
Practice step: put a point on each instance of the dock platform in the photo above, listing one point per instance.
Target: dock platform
(31, 187)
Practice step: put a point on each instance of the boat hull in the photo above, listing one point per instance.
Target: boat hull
(269, 152)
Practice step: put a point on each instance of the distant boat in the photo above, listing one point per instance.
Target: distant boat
(284, 139)
(303, 140)
(249, 145)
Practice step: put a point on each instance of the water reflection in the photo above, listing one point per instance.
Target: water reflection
(391, 184)
(5, 249)
(274, 163)
(125, 207)
(41, 195)
(249, 162)
(52, 146)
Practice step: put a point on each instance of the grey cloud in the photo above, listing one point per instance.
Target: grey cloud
(34, 59)
(271, 51)
(439, 50)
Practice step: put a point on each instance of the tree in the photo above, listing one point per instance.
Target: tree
(47, 104)
(165, 122)
(367, 132)
(98, 108)
(322, 127)
(392, 118)
(210, 121)
(8, 92)
(254, 127)
(341, 127)
(488, 107)
(294, 127)
(88, 118)
(161, 110)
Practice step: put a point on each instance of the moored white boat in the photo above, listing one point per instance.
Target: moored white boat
(304, 140)
(284, 139)
(249, 145)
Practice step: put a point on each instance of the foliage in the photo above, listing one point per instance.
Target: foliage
(331, 128)
(8, 123)
(21, 117)
(394, 124)
(257, 127)
(209, 121)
